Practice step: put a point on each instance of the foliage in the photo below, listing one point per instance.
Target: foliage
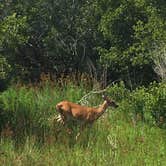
(160, 61)
(4, 68)
(142, 104)
(87, 36)
(159, 104)
(118, 91)
(28, 109)
(30, 136)
(131, 29)
(12, 31)
(55, 42)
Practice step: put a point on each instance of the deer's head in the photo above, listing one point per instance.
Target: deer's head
(110, 102)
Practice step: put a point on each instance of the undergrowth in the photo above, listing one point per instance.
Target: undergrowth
(132, 134)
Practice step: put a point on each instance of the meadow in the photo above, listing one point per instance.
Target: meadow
(130, 135)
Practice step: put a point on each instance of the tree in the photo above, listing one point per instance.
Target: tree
(131, 28)
(59, 36)
(160, 61)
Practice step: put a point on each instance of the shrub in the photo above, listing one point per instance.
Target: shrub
(159, 103)
(142, 104)
(118, 91)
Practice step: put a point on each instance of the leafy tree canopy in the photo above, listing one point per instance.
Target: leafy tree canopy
(84, 36)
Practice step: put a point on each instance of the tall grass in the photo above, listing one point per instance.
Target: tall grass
(30, 136)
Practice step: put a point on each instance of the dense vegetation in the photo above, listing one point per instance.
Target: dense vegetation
(119, 39)
(127, 135)
(66, 49)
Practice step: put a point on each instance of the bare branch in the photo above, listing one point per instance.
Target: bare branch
(160, 61)
(84, 99)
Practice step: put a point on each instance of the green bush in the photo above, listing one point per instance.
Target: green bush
(142, 104)
(159, 103)
(118, 91)
(5, 69)
(150, 103)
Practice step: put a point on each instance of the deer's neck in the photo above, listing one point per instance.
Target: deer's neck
(101, 109)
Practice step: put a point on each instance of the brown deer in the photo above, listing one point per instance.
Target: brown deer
(82, 114)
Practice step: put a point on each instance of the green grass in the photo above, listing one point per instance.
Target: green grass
(29, 136)
(111, 141)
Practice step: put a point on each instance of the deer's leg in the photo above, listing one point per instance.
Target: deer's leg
(67, 125)
(61, 119)
(82, 127)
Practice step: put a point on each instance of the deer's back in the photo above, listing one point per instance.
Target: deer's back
(76, 111)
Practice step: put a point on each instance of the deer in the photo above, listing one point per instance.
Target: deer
(83, 115)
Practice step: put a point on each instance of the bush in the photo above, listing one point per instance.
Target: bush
(5, 69)
(159, 103)
(142, 104)
(118, 91)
